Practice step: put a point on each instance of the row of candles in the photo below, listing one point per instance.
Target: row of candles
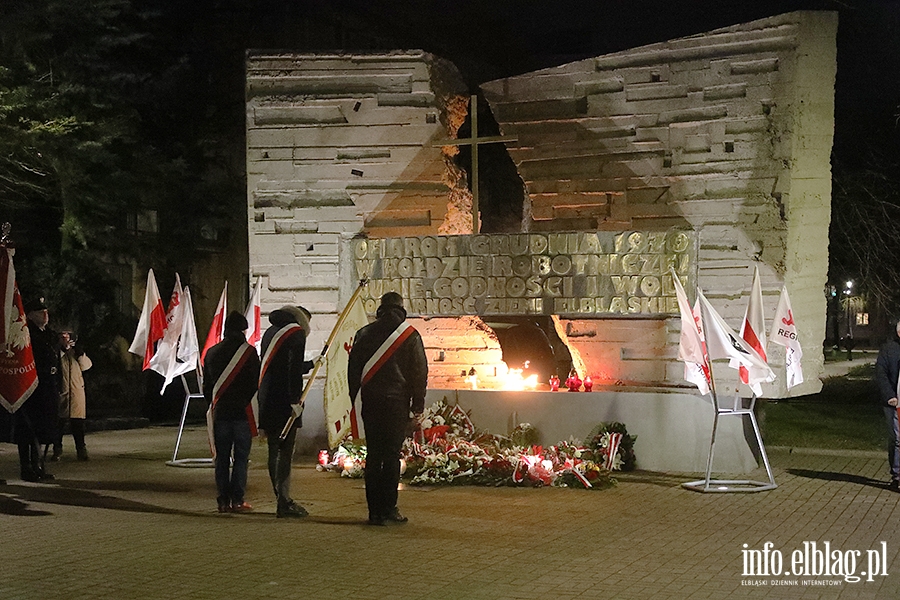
(573, 382)
(516, 381)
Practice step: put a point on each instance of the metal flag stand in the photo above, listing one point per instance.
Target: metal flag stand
(733, 485)
(188, 396)
(708, 484)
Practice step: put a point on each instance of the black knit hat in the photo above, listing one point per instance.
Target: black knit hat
(235, 321)
(392, 299)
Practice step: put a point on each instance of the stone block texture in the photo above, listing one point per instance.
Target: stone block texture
(338, 145)
(728, 133)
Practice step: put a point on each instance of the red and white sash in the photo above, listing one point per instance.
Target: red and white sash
(381, 356)
(280, 336)
(386, 350)
(231, 370)
(233, 367)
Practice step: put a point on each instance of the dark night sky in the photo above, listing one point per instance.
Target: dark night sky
(490, 39)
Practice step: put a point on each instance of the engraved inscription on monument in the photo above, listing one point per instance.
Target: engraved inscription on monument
(575, 274)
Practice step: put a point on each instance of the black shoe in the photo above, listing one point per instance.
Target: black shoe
(82, 453)
(45, 476)
(894, 486)
(30, 476)
(376, 520)
(291, 511)
(395, 517)
(57, 453)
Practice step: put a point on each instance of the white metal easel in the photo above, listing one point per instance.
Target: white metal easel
(733, 485)
(737, 410)
(188, 396)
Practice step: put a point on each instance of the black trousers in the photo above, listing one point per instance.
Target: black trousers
(77, 427)
(281, 453)
(384, 439)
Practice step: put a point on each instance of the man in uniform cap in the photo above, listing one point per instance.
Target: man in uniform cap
(36, 421)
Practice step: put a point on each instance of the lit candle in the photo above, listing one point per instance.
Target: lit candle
(588, 383)
(348, 464)
(554, 383)
(323, 457)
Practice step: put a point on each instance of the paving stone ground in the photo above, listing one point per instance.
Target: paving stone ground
(125, 525)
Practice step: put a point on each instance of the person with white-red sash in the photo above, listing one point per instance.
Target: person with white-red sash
(230, 377)
(280, 387)
(388, 366)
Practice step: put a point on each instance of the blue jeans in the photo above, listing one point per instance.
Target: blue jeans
(232, 435)
(890, 418)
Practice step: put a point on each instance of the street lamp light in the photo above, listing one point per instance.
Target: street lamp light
(848, 340)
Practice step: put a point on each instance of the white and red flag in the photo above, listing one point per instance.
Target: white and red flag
(753, 331)
(252, 314)
(254, 338)
(177, 353)
(723, 342)
(342, 418)
(217, 329)
(152, 324)
(784, 333)
(188, 355)
(691, 349)
(18, 376)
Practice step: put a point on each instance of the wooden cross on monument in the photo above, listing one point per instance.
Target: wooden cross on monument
(473, 141)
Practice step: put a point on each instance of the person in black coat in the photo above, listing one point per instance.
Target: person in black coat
(887, 370)
(230, 378)
(390, 393)
(280, 386)
(36, 421)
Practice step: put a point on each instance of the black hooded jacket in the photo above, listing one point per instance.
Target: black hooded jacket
(282, 383)
(232, 404)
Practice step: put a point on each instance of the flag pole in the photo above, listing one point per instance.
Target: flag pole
(715, 397)
(297, 409)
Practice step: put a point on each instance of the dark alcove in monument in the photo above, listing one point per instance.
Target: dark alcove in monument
(501, 189)
(531, 344)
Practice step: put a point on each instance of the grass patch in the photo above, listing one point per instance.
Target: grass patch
(844, 415)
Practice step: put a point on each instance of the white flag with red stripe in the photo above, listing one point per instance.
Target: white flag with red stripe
(753, 331)
(188, 356)
(217, 329)
(723, 342)
(18, 375)
(691, 349)
(152, 324)
(253, 316)
(784, 333)
(254, 338)
(177, 353)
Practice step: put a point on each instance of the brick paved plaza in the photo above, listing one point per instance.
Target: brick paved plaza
(125, 525)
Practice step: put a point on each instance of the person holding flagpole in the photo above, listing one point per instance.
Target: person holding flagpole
(230, 378)
(280, 387)
(887, 372)
(388, 367)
